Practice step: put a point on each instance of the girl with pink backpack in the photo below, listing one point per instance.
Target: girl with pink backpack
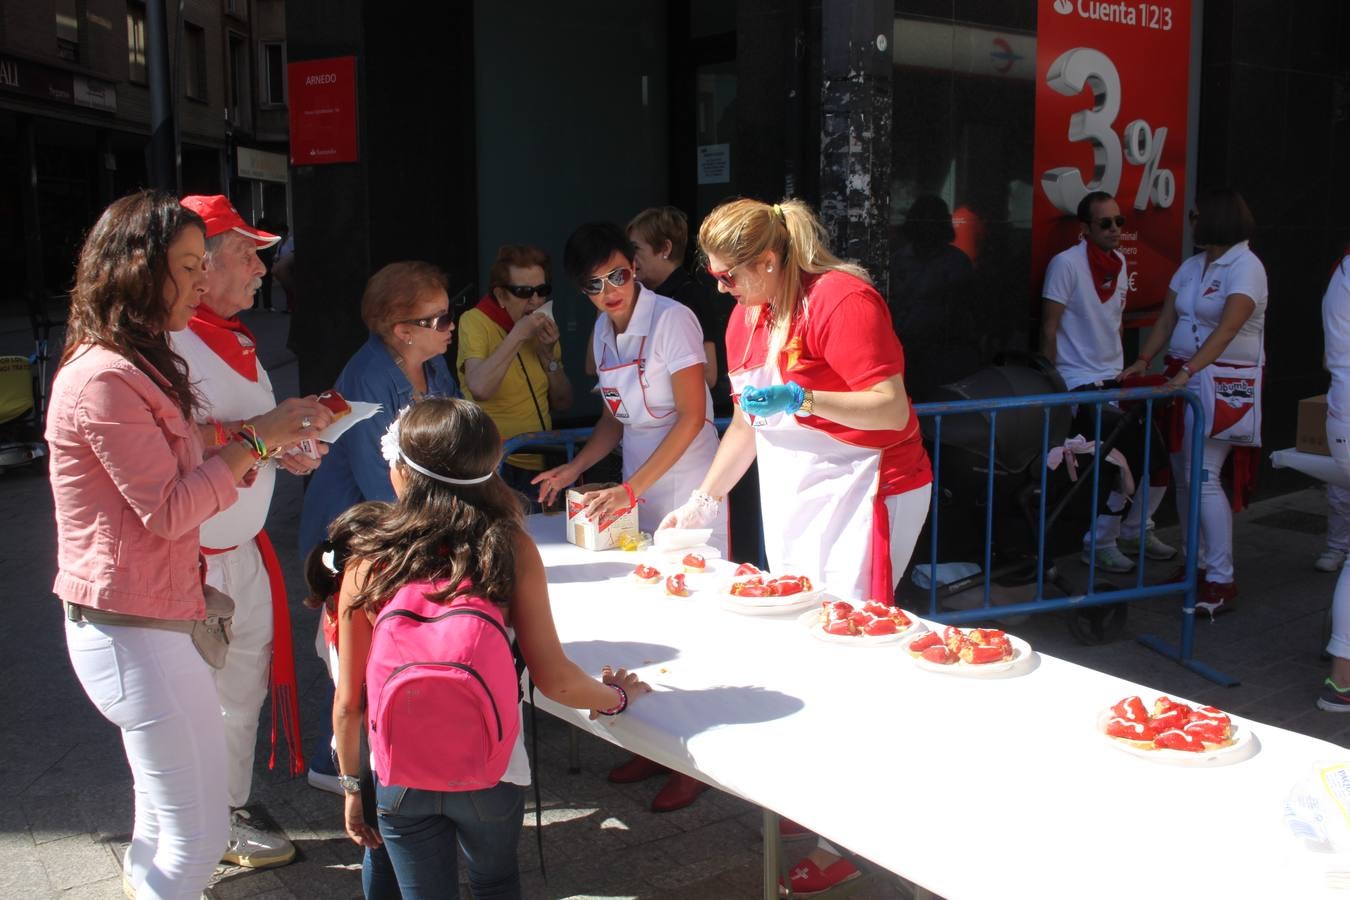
(443, 600)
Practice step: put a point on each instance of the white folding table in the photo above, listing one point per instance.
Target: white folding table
(969, 787)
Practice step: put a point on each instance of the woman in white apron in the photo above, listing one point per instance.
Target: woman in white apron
(1213, 324)
(649, 361)
(818, 374)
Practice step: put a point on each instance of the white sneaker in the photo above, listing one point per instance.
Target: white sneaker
(1331, 560)
(1109, 559)
(254, 848)
(1153, 548)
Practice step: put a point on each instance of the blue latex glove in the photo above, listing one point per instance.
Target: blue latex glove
(776, 398)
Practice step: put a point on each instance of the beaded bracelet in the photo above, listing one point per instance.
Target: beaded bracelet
(632, 498)
(618, 707)
(249, 436)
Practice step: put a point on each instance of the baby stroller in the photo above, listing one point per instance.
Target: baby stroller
(1016, 490)
(23, 397)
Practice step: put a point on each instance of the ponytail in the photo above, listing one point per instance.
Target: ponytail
(740, 230)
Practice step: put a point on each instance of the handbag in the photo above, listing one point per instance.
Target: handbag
(211, 636)
(1231, 398)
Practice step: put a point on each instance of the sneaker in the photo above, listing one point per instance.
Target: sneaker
(1331, 560)
(1216, 598)
(252, 847)
(1153, 548)
(806, 878)
(1109, 559)
(1332, 698)
(323, 773)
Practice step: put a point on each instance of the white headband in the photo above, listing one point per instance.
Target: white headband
(392, 453)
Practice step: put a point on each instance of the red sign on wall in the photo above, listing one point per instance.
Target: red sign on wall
(1112, 91)
(322, 110)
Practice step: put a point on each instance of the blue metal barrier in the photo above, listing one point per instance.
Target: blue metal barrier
(1181, 652)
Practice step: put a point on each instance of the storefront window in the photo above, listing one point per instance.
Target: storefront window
(961, 184)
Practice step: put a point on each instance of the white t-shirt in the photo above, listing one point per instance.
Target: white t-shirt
(1087, 346)
(1336, 328)
(1201, 295)
(229, 396)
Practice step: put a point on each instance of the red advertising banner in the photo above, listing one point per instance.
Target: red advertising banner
(1112, 91)
(322, 111)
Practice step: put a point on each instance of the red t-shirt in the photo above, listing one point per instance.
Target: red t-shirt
(841, 341)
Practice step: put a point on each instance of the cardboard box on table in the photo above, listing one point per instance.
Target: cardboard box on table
(1312, 426)
(602, 535)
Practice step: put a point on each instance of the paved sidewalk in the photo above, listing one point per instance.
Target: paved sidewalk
(63, 832)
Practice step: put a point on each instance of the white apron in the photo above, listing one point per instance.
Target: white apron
(623, 387)
(816, 499)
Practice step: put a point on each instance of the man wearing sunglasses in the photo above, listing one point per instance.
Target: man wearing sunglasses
(1081, 308)
(509, 358)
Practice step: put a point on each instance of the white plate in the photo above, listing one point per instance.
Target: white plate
(811, 622)
(1021, 653)
(769, 606)
(680, 538)
(360, 412)
(1244, 746)
(776, 602)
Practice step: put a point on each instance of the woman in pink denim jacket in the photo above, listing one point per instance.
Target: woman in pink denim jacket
(131, 487)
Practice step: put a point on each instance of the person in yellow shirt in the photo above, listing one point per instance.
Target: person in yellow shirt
(509, 358)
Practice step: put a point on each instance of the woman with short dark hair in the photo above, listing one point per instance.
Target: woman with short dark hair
(1213, 323)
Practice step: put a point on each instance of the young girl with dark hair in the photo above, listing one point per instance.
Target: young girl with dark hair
(457, 531)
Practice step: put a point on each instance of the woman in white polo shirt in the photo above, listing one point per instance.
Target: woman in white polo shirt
(649, 359)
(1213, 322)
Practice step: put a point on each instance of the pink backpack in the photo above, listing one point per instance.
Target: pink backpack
(443, 692)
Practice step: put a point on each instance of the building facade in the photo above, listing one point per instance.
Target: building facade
(75, 120)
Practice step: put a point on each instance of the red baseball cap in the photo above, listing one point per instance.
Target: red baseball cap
(221, 216)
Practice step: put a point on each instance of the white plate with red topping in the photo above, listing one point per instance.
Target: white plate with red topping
(837, 621)
(752, 592)
(1175, 733)
(959, 651)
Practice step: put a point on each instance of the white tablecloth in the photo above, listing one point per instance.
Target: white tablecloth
(970, 787)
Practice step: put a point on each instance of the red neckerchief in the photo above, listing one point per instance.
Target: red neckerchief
(489, 307)
(1106, 267)
(229, 339)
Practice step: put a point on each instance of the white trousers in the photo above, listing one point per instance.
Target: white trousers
(1338, 518)
(1216, 513)
(1338, 437)
(1109, 528)
(242, 683)
(155, 686)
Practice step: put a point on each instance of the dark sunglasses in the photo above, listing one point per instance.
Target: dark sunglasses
(618, 278)
(526, 291)
(1106, 222)
(444, 322)
(726, 279)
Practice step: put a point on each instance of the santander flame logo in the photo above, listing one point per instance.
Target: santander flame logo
(1063, 7)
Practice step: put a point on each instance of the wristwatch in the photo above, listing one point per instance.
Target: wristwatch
(553, 365)
(350, 784)
(808, 404)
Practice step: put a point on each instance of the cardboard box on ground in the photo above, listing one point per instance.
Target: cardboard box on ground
(1312, 426)
(592, 535)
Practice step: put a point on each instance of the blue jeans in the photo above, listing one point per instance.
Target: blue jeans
(422, 828)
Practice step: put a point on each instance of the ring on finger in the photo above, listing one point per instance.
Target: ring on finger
(306, 422)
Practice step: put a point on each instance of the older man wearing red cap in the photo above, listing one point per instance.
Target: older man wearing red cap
(222, 360)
